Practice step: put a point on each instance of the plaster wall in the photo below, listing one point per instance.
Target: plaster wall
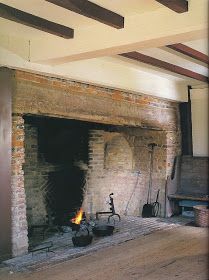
(200, 129)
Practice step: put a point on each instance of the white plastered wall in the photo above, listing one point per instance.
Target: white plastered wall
(104, 72)
(200, 114)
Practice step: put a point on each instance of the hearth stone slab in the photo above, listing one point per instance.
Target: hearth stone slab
(129, 228)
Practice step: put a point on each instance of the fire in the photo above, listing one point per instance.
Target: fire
(78, 217)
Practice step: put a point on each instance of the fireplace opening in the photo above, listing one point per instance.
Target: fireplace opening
(64, 144)
(55, 169)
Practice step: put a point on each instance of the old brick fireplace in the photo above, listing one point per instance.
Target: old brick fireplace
(74, 143)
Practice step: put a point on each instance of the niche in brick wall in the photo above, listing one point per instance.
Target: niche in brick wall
(118, 154)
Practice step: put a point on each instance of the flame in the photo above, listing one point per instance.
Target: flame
(78, 217)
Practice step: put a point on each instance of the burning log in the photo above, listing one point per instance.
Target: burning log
(77, 220)
(79, 225)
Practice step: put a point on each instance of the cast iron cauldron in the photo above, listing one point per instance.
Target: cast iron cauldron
(103, 230)
(82, 236)
(82, 240)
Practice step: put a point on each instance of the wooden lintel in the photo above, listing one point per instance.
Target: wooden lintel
(91, 10)
(165, 65)
(190, 52)
(178, 6)
(27, 19)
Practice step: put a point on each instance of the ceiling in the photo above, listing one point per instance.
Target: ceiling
(173, 57)
(149, 27)
(60, 15)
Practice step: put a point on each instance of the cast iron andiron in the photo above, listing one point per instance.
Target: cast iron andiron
(111, 212)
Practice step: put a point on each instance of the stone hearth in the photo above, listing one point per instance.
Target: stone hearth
(130, 228)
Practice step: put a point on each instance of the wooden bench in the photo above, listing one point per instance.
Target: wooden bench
(179, 196)
(187, 186)
(187, 201)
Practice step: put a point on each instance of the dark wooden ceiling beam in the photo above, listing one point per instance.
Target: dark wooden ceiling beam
(27, 19)
(181, 48)
(91, 10)
(179, 6)
(165, 65)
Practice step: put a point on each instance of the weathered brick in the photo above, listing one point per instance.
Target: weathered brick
(114, 157)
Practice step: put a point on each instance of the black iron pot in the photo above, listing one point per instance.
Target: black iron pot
(75, 227)
(82, 240)
(103, 230)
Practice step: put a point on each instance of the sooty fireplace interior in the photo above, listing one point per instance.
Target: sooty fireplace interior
(56, 156)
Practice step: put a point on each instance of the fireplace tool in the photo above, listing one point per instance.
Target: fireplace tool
(147, 210)
(132, 194)
(112, 212)
(156, 206)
